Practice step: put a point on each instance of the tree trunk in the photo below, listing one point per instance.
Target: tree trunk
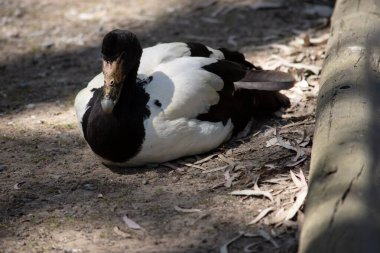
(343, 204)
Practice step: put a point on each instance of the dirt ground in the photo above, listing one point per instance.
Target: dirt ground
(55, 196)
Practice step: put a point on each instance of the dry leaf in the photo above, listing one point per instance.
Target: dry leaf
(305, 122)
(279, 216)
(299, 180)
(271, 142)
(303, 85)
(264, 234)
(301, 196)
(279, 61)
(265, 4)
(295, 180)
(117, 231)
(261, 215)
(284, 144)
(170, 165)
(224, 248)
(205, 4)
(302, 177)
(206, 159)
(252, 193)
(232, 40)
(184, 210)
(319, 10)
(17, 185)
(275, 180)
(216, 169)
(192, 165)
(226, 160)
(130, 223)
(296, 162)
(250, 248)
(320, 40)
(228, 178)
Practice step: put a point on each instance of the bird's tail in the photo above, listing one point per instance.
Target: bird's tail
(269, 80)
(256, 103)
(261, 88)
(257, 94)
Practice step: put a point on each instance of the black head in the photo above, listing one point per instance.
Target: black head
(119, 42)
(121, 52)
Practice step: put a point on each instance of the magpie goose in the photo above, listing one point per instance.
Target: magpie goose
(171, 100)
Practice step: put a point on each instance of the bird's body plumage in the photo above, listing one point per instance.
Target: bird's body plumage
(181, 103)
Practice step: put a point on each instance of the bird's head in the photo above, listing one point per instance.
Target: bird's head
(121, 53)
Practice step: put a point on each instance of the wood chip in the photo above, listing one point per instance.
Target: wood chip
(185, 210)
(130, 223)
(261, 215)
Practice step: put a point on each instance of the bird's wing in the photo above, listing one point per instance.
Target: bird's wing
(166, 52)
(189, 86)
(159, 54)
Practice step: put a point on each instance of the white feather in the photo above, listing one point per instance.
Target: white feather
(216, 54)
(161, 53)
(84, 96)
(184, 88)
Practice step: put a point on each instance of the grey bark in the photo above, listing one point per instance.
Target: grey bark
(343, 204)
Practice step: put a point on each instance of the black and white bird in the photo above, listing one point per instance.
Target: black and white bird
(171, 100)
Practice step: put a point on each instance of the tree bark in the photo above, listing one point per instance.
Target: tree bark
(343, 204)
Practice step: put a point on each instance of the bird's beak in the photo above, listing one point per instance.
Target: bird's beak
(113, 83)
